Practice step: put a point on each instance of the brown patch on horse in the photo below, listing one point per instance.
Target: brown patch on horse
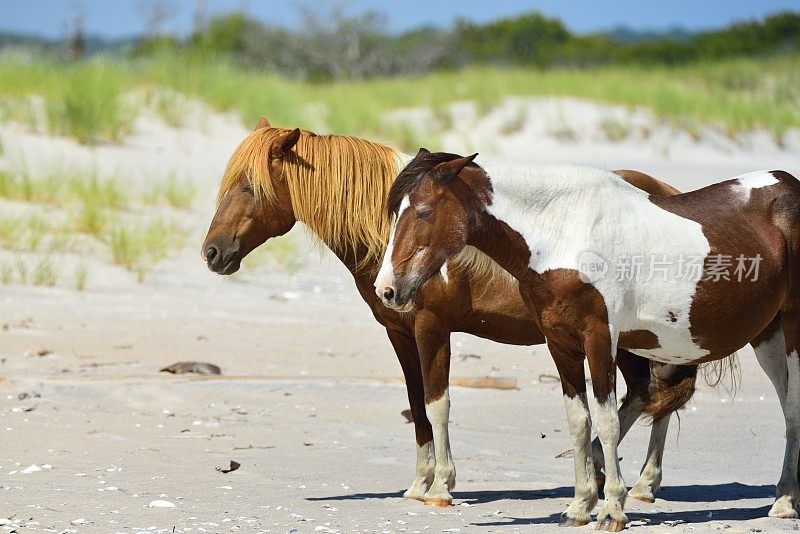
(716, 322)
(565, 304)
(638, 339)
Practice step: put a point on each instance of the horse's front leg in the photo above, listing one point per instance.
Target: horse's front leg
(405, 346)
(599, 342)
(636, 373)
(573, 385)
(433, 344)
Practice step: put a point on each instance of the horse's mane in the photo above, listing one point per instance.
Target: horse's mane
(337, 185)
(411, 175)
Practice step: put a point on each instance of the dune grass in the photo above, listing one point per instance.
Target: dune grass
(170, 191)
(139, 246)
(6, 273)
(44, 272)
(81, 210)
(282, 254)
(735, 95)
(81, 276)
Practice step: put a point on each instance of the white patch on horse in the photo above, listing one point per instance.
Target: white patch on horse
(753, 180)
(385, 276)
(443, 272)
(564, 211)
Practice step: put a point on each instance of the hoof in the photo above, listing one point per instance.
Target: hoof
(611, 525)
(438, 502)
(567, 521)
(644, 497)
(414, 495)
(783, 510)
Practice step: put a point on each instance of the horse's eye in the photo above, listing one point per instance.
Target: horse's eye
(424, 214)
(247, 187)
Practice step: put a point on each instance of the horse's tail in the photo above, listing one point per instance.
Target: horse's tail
(671, 393)
(715, 372)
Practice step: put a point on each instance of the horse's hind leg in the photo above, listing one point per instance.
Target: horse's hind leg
(671, 387)
(776, 349)
(406, 349)
(650, 478)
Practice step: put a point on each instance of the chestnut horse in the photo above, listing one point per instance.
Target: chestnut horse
(720, 268)
(337, 187)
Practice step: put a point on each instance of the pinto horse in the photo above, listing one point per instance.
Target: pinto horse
(560, 229)
(337, 187)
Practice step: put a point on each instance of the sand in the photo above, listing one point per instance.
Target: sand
(95, 439)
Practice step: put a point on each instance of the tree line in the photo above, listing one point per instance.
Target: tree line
(336, 46)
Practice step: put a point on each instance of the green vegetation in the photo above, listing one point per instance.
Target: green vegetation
(6, 273)
(44, 273)
(85, 211)
(171, 191)
(91, 107)
(282, 254)
(330, 45)
(81, 276)
(735, 95)
(22, 269)
(614, 129)
(137, 247)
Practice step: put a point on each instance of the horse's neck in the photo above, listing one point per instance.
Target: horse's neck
(503, 245)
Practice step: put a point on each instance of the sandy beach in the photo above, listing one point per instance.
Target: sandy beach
(95, 439)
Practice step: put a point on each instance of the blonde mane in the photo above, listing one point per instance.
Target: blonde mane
(338, 186)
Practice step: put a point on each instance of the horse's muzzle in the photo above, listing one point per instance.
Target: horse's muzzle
(220, 262)
(397, 300)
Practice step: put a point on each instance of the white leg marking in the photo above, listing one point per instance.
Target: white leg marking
(650, 479)
(444, 479)
(787, 492)
(771, 355)
(628, 414)
(426, 463)
(615, 491)
(784, 372)
(580, 430)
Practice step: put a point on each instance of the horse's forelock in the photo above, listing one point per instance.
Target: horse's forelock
(412, 175)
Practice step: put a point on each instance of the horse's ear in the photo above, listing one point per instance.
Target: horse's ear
(423, 152)
(262, 123)
(286, 141)
(444, 172)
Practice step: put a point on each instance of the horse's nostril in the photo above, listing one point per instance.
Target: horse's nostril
(211, 253)
(388, 293)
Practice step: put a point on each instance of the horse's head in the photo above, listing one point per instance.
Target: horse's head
(254, 201)
(432, 222)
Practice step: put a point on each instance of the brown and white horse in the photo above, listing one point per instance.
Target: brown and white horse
(337, 187)
(715, 269)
